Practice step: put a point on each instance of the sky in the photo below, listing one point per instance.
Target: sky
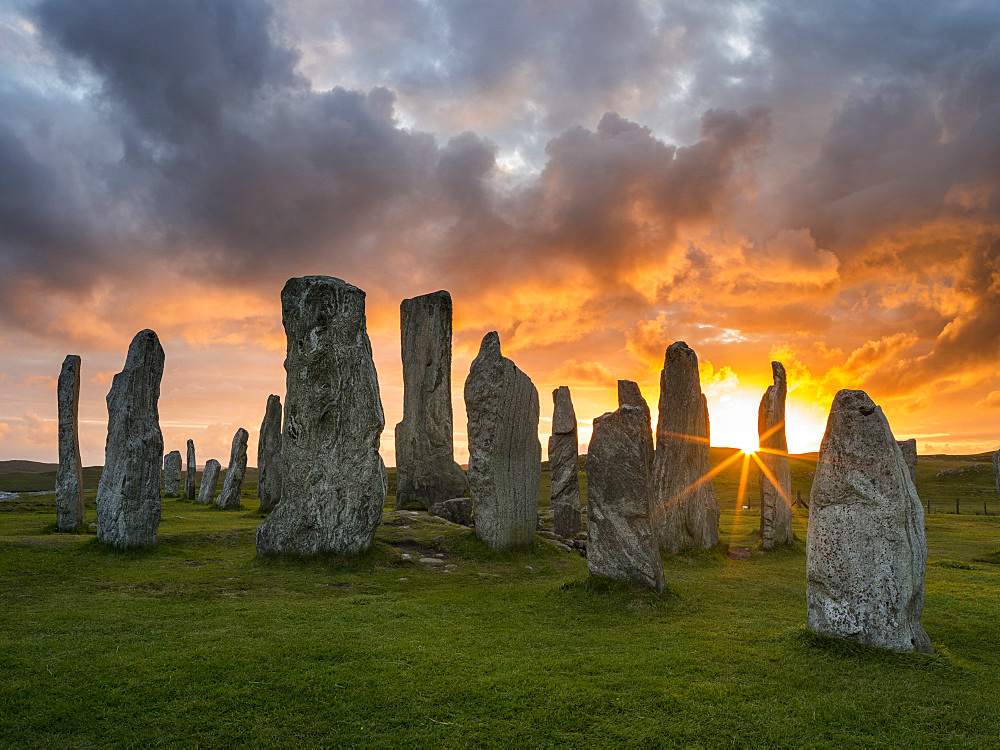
(817, 183)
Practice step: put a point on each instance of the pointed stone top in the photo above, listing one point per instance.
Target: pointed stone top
(273, 398)
(563, 414)
(629, 394)
(777, 372)
(143, 344)
(491, 345)
(680, 351)
(240, 438)
(70, 360)
(190, 443)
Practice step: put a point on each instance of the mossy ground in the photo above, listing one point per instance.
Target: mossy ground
(198, 642)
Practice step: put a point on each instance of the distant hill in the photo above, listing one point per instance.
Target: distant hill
(26, 467)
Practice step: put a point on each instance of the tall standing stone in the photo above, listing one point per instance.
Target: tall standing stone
(505, 455)
(865, 548)
(996, 470)
(209, 481)
(564, 453)
(774, 477)
(190, 473)
(269, 456)
(232, 488)
(426, 472)
(909, 451)
(172, 474)
(686, 513)
(128, 495)
(70, 513)
(622, 542)
(333, 483)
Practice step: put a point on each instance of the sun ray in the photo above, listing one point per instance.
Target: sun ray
(741, 492)
(701, 480)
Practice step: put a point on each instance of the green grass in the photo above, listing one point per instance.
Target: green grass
(198, 642)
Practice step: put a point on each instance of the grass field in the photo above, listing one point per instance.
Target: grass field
(199, 642)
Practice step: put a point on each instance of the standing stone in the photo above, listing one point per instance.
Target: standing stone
(209, 481)
(70, 514)
(621, 540)
(191, 473)
(269, 456)
(426, 472)
(774, 477)
(865, 548)
(232, 488)
(333, 483)
(505, 455)
(563, 456)
(686, 513)
(128, 495)
(172, 474)
(909, 450)
(996, 471)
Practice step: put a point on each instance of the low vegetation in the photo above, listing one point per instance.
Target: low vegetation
(199, 642)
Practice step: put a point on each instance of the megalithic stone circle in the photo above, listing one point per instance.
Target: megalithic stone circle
(128, 495)
(505, 454)
(426, 471)
(333, 484)
(621, 541)
(70, 511)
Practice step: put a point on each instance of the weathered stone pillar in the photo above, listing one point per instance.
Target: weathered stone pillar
(564, 453)
(190, 473)
(505, 455)
(232, 487)
(128, 495)
(333, 484)
(622, 543)
(909, 451)
(775, 479)
(269, 456)
(70, 512)
(426, 472)
(686, 513)
(865, 548)
(209, 481)
(172, 474)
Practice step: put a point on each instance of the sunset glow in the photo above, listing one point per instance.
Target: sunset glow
(734, 178)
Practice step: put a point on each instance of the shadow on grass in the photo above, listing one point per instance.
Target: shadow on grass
(853, 650)
(379, 555)
(468, 546)
(595, 593)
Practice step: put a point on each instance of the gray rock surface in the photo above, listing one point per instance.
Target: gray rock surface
(909, 450)
(333, 482)
(209, 482)
(128, 495)
(269, 456)
(172, 474)
(190, 473)
(775, 478)
(505, 455)
(426, 472)
(563, 455)
(865, 548)
(70, 513)
(686, 513)
(996, 470)
(621, 540)
(456, 510)
(232, 487)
